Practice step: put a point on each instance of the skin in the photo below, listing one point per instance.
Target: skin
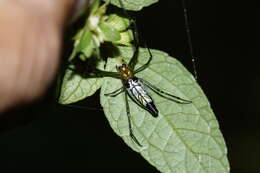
(30, 42)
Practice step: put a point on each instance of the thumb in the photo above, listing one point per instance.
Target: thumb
(30, 41)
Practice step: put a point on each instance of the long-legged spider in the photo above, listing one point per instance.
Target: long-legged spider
(135, 87)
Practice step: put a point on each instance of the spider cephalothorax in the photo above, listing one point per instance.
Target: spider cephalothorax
(125, 72)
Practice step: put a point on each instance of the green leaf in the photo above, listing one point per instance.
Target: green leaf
(94, 7)
(75, 87)
(118, 22)
(86, 44)
(185, 137)
(134, 5)
(126, 38)
(83, 43)
(109, 33)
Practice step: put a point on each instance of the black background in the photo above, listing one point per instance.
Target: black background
(47, 137)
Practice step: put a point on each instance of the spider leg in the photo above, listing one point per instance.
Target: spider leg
(116, 92)
(136, 43)
(133, 27)
(133, 60)
(96, 73)
(129, 122)
(103, 73)
(147, 63)
(165, 94)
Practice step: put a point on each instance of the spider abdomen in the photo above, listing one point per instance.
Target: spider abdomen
(137, 91)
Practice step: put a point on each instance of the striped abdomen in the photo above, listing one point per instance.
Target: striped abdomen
(136, 90)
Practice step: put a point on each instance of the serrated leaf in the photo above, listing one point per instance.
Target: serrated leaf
(118, 22)
(185, 137)
(94, 6)
(126, 38)
(83, 43)
(75, 87)
(134, 5)
(109, 33)
(86, 44)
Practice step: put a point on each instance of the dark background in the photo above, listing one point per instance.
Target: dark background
(47, 137)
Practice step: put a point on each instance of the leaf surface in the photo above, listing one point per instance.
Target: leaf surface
(75, 87)
(110, 34)
(134, 5)
(185, 137)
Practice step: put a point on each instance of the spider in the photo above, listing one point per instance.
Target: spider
(134, 87)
